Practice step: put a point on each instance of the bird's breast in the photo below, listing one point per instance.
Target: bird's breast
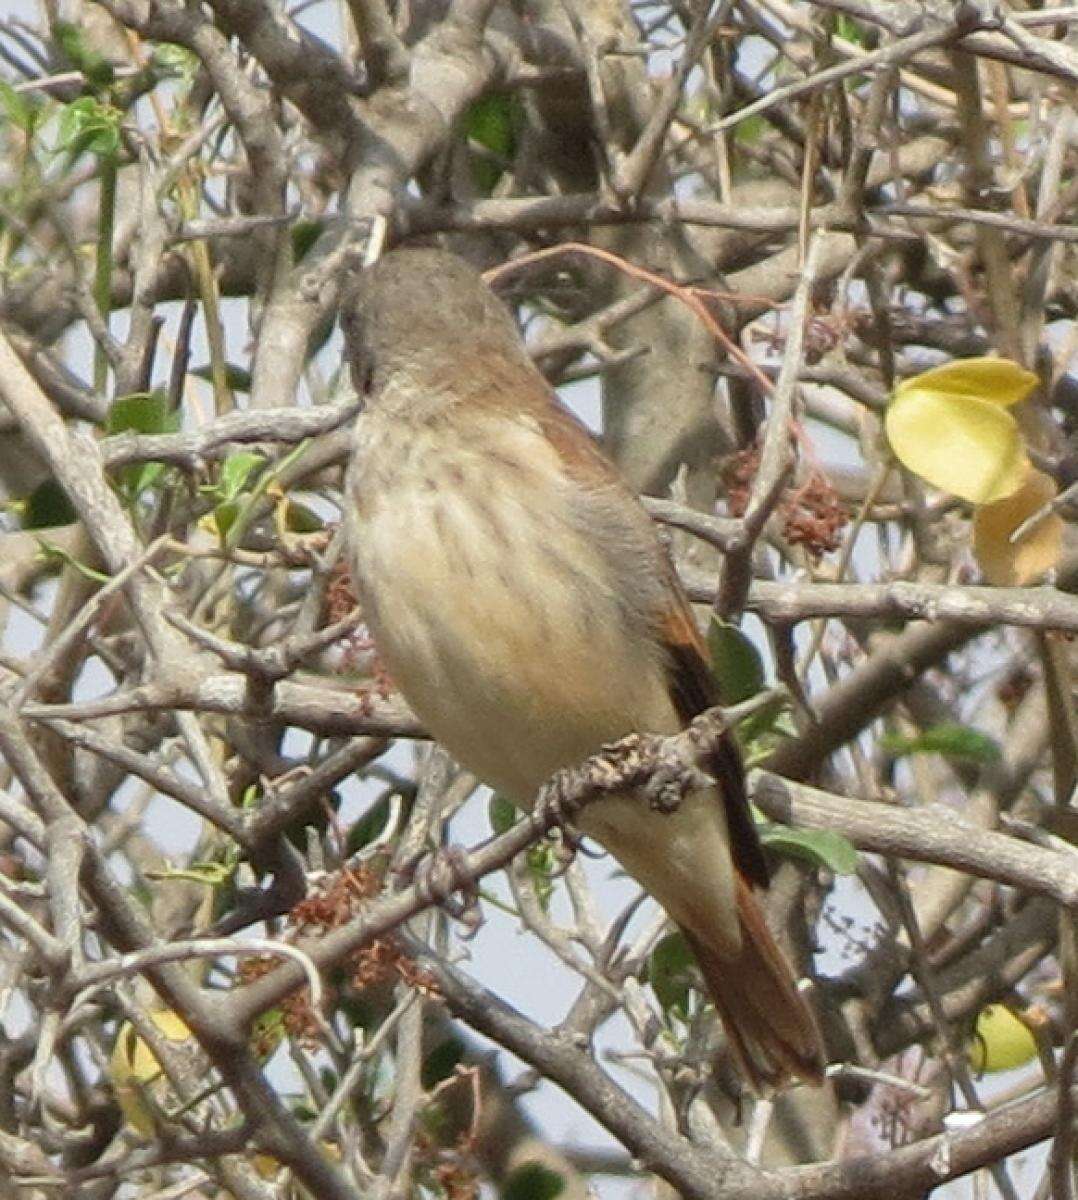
(489, 601)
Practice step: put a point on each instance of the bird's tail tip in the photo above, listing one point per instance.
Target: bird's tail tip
(771, 1028)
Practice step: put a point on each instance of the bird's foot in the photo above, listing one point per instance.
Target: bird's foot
(663, 770)
(666, 788)
(652, 767)
(617, 767)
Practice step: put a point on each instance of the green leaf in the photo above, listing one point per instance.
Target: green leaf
(503, 813)
(850, 29)
(533, 1181)
(820, 847)
(237, 378)
(18, 107)
(224, 517)
(671, 973)
(491, 123)
(236, 470)
(139, 477)
(98, 70)
(267, 1031)
(950, 740)
(735, 662)
(750, 130)
(176, 61)
(771, 718)
(87, 126)
(47, 506)
(54, 553)
(441, 1062)
(301, 519)
(370, 826)
(304, 236)
(213, 874)
(142, 412)
(542, 866)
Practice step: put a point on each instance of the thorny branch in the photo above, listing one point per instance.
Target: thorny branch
(832, 195)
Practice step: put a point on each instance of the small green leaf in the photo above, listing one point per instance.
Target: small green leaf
(735, 662)
(47, 506)
(542, 867)
(224, 517)
(370, 826)
(267, 1031)
(850, 29)
(87, 126)
(821, 847)
(533, 1181)
(171, 60)
(301, 519)
(18, 107)
(950, 740)
(142, 412)
(213, 874)
(304, 236)
(51, 552)
(441, 1062)
(750, 130)
(236, 470)
(237, 378)
(491, 124)
(503, 814)
(98, 70)
(771, 718)
(671, 972)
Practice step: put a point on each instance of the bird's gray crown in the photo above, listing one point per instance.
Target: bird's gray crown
(416, 311)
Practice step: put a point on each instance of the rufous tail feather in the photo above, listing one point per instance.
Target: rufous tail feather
(770, 1027)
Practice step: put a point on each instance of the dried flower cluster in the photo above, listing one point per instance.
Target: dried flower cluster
(812, 514)
(333, 901)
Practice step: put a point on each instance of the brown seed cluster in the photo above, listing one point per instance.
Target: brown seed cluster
(333, 902)
(340, 600)
(451, 1168)
(340, 593)
(813, 515)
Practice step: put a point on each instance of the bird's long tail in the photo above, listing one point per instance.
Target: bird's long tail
(771, 1029)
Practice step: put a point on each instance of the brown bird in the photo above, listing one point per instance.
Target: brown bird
(523, 603)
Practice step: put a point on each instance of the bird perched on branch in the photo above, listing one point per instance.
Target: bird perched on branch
(523, 603)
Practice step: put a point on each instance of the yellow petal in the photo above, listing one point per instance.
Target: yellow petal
(1001, 1041)
(997, 380)
(133, 1066)
(958, 443)
(1008, 564)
